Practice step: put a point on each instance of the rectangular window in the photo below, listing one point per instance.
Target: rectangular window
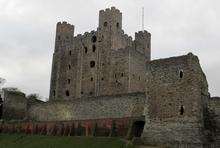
(68, 81)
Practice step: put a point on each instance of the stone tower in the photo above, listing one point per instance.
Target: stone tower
(101, 62)
(143, 43)
(63, 46)
(177, 93)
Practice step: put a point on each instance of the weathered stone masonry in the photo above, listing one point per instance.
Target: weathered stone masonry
(104, 83)
(102, 62)
(105, 107)
(177, 93)
(14, 105)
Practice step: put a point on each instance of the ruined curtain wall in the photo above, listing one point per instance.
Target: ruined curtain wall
(120, 106)
(14, 105)
(177, 92)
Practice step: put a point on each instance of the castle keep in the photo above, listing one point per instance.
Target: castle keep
(104, 83)
(103, 62)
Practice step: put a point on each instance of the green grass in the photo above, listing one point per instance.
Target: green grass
(38, 141)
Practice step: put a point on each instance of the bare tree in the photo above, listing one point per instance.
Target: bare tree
(33, 96)
(2, 82)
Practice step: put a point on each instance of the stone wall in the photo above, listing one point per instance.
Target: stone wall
(137, 70)
(142, 43)
(214, 106)
(177, 92)
(119, 106)
(14, 105)
(60, 65)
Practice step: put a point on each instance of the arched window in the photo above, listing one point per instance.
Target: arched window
(117, 25)
(93, 48)
(94, 39)
(92, 64)
(181, 110)
(105, 24)
(86, 50)
(67, 93)
(54, 93)
(181, 73)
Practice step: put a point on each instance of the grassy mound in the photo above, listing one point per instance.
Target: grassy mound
(39, 141)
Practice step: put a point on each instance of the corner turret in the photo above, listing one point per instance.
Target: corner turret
(64, 35)
(143, 43)
(110, 19)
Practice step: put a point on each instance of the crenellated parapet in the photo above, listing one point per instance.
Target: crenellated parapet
(110, 19)
(142, 34)
(64, 27)
(142, 43)
(64, 35)
(89, 64)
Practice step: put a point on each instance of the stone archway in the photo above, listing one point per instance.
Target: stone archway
(137, 128)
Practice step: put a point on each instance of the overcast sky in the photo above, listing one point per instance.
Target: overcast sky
(27, 32)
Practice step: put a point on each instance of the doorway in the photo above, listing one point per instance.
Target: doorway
(137, 128)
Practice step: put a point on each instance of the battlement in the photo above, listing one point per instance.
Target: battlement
(142, 43)
(127, 37)
(142, 34)
(64, 27)
(109, 10)
(110, 18)
(89, 33)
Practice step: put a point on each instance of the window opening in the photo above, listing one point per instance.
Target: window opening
(92, 64)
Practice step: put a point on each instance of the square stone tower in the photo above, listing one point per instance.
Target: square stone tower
(177, 93)
(101, 62)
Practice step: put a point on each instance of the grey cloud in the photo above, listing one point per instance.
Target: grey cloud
(27, 29)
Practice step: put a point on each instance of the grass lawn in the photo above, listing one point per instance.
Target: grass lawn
(39, 141)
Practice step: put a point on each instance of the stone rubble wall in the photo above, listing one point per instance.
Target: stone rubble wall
(177, 93)
(214, 106)
(119, 106)
(14, 105)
